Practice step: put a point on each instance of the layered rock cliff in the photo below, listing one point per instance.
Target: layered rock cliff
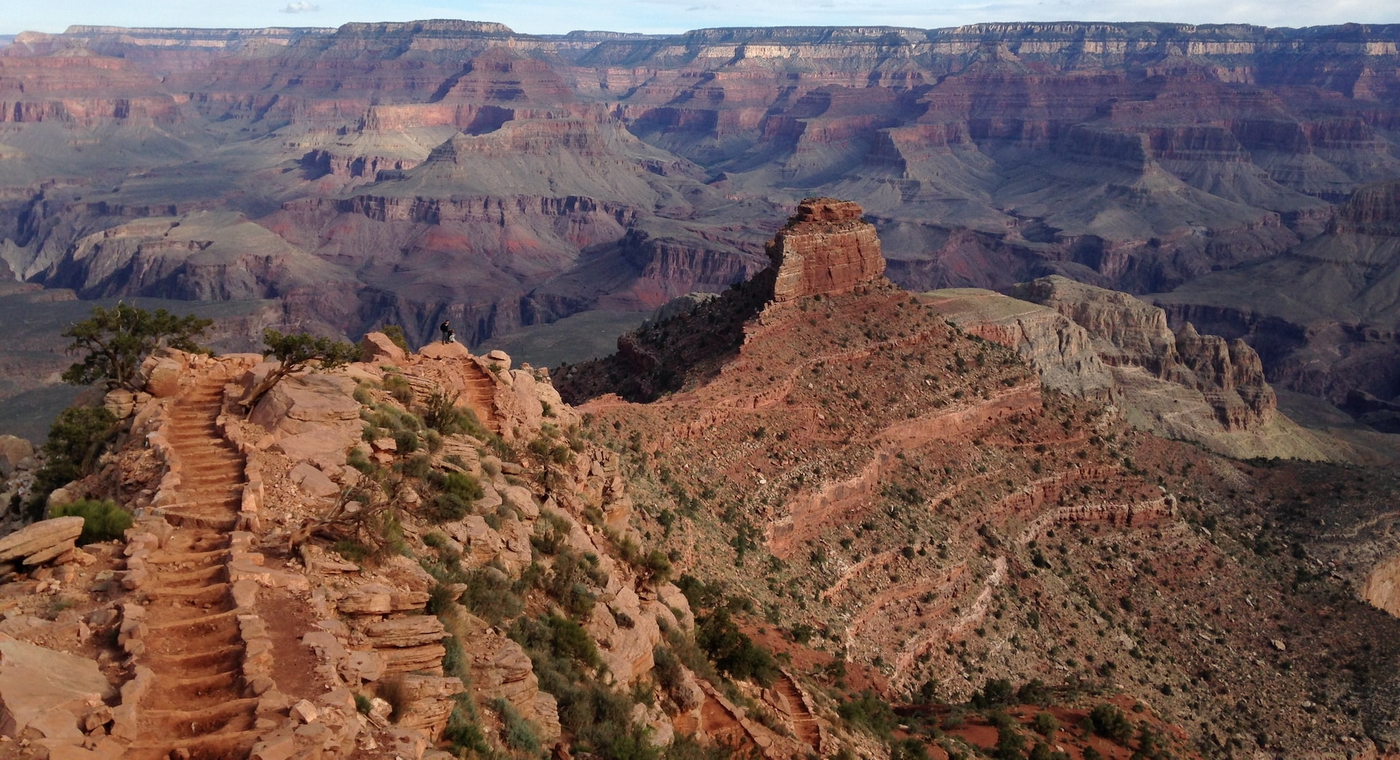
(825, 249)
(1129, 332)
(1322, 316)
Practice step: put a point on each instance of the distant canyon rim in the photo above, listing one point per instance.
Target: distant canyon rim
(336, 180)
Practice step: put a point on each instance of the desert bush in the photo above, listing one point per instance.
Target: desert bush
(491, 596)
(568, 580)
(997, 692)
(395, 335)
(75, 440)
(908, 749)
(399, 388)
(1045, 724)
(869, 713)
(516, 731)
(102, 520)
(1109, 722)
(732, 651)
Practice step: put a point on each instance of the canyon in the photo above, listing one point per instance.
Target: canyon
(457, 169)
(427, 553)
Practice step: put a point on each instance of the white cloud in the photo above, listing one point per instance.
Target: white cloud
(301, 6)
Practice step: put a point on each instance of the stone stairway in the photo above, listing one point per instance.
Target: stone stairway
(196, 705)
(479, 394)
(804, 723)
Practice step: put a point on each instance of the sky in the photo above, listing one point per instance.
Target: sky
(660, 16)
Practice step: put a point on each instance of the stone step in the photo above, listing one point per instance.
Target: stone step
(227, 716)
(214, 747)
(220, 521)
(215, 624)
(187, 578)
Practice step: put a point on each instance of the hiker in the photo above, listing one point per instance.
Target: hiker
(447, 334)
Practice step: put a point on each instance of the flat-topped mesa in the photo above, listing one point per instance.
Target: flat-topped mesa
(826, 248)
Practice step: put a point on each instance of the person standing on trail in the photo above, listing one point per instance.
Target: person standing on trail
(447, 334)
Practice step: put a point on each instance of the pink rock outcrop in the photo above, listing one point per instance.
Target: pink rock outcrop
(826, 248)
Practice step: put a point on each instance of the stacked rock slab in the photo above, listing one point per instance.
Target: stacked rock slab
(826, 248)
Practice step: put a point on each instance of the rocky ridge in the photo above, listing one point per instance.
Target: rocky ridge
(894, 492)
(247, 620)
(895, 498)
(1119, 349)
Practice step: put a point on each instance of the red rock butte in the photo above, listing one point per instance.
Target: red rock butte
(828, 248)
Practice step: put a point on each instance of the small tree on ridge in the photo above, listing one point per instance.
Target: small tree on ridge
(296, 351)
(118, 339)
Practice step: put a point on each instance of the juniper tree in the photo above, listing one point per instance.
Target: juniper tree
(118, 339)
(295, 352)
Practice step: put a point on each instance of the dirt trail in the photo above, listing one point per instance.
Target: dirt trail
(803, 722)
(196, 700)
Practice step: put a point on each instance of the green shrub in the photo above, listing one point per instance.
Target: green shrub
(75, 440)
(869, 713)
(1010, 744)
(490, 595)
(732, 651)
(398, 387)
(1045, 724)
(463, 732)
(102, 520)
(406, 441)
(395, 335)
(516, 731)
(908, 749)
(1109, 722)
(1034, 692)
(351, 550)
(997, 692)
(567, 582)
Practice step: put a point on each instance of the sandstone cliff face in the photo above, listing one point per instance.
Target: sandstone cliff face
(826, 248)
(1059, 349)
(1371, 210)
(1129, 332)
(1193, 387)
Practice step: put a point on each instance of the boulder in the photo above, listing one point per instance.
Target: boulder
(520, 498)
(440, 350)
(426, 702)
(376, 348)
(313, 481)
(405, 632)
(319, 444)
(378, 599)
(41, 539)
(163, 375)
(46, 692)
(120, 402)
(499, 358)
(304, 403)
(13, 450)
(420, 659)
